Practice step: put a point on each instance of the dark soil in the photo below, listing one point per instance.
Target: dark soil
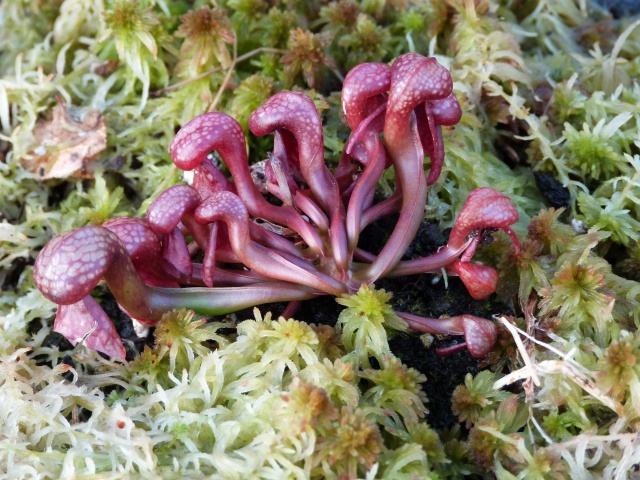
(621, 8)
(552, 190)
(12, 275)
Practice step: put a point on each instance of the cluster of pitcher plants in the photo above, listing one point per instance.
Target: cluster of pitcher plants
(221, 245)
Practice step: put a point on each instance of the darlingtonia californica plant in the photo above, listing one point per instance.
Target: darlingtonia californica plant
(303, 244)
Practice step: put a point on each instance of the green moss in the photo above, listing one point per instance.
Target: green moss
(362, 324)
(591, 154)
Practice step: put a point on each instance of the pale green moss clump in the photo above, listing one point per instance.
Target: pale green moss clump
(363, 324)
(281, 400)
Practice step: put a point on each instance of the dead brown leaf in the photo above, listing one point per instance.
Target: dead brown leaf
(67, 143)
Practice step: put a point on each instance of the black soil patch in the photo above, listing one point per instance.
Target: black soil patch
(443, 374)
(556, 194)
(12, 276)
(133, 345)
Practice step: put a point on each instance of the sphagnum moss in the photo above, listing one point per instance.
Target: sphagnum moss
(195, 412)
